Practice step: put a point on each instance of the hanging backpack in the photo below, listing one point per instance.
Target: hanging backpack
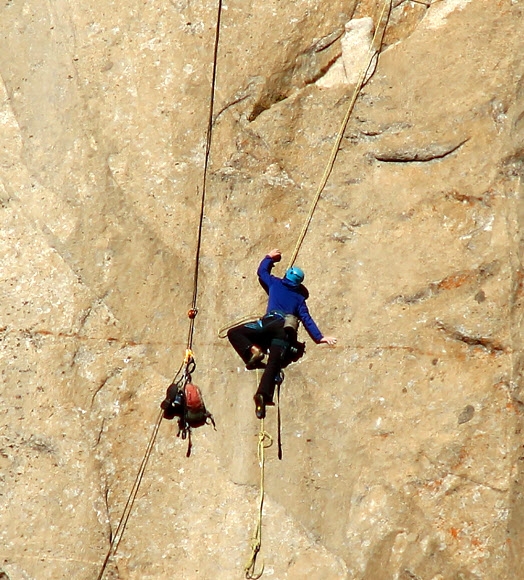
(187, 403)
(196, 413)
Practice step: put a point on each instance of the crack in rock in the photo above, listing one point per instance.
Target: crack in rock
(451, 282)
(491, 345)
(328, 40)
(325, 64)
(423, 154)
(397, 3)
(115, 372)
(448, 471)
(100, 433)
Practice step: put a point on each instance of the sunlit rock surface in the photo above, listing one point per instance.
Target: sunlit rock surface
(354, 62)
(402, 446)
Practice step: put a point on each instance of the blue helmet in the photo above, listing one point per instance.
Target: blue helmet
(295, 275)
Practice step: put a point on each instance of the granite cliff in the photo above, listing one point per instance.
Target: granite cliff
(402, 446)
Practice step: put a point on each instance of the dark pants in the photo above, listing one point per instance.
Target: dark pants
(272, 370)
(266, 333)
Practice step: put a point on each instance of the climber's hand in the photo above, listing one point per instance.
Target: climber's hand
(275, 255)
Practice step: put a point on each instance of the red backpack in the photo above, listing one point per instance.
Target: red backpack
(196, 413)
(186, 403)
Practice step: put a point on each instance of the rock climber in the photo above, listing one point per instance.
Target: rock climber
(275, 330)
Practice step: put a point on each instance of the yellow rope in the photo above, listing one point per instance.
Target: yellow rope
(264, 440)
(374, 49)
(222, 333)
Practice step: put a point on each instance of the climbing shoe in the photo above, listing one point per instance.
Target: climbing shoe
(257, 365)
(256, 359)
(260, 406)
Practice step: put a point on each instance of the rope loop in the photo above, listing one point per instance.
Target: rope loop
(250, 568)
(222, 333)
(265, 441)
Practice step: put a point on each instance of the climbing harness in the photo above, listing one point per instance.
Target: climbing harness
(180, 386)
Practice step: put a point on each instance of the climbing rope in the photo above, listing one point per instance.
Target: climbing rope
(264, 441)
(263, 436)
(119, 532)
(374, 50)
(189, 362)
(194, 310)
(222, 333)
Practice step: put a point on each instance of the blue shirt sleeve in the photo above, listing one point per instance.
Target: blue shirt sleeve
(264, 273)
(309, 324)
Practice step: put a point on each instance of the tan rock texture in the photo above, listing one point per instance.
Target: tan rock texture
(402, 445)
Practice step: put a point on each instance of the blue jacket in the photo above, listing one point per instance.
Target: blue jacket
(286, 298)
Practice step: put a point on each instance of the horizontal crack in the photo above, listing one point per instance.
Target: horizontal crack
(430, 152)
(448, 471)
(492, 345)
(426, 3)
(451, 282)
(33, 334)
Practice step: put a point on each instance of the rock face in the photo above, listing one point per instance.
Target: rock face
(356, 44)
(402, 446)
